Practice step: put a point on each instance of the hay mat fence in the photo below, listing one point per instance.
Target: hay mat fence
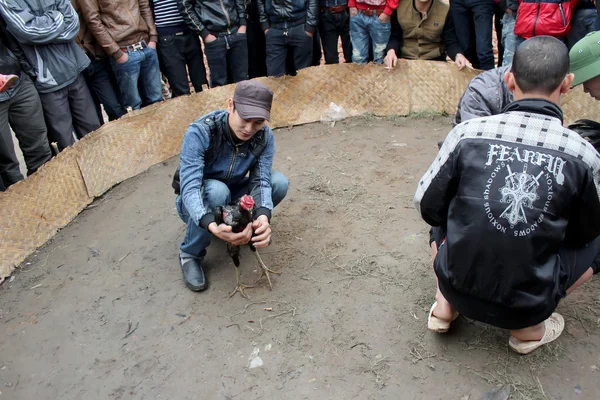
(35, 209)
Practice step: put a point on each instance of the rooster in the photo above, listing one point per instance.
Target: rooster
(238, 215)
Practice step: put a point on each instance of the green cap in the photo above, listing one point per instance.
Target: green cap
(585, 58)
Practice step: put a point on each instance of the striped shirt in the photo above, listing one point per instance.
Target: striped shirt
(166, 13)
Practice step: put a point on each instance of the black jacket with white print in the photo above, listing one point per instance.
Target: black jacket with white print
(511, 190)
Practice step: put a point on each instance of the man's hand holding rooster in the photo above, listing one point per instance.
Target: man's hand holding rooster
(224, 233)
(262, 232)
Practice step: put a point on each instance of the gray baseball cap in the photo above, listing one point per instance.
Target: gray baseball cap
(253, 99)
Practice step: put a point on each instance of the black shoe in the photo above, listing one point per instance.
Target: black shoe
(193, 274)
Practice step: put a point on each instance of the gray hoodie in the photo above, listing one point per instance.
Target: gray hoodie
(46, 29)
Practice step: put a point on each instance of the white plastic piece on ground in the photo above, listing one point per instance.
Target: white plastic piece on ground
(254, 360)
(334, 113)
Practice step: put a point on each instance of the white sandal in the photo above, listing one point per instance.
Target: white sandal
(438, 325)
(554, 327)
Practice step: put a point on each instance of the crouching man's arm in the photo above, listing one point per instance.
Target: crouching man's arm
(439, 184)
(260, 190)
(195, 143)
(584, 222)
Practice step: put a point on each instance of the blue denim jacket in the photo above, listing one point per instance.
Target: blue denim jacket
(332, 3)
(209, 152)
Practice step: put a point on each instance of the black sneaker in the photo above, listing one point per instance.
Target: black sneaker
(193, 274)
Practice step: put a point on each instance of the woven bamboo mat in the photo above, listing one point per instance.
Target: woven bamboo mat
(35, 209)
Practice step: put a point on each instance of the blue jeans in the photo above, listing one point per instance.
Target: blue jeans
(584, 21)
(366, 30)
(217, 193)
(142, 65)
(508, 38)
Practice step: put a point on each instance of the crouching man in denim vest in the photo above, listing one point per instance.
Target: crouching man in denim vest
(225, 155)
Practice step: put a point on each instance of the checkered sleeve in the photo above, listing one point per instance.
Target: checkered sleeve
(437, 187)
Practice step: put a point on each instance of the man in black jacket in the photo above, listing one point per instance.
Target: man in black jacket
(288, 25)
(515, 201)
(179, 49)
(222, 26)
(21, 109)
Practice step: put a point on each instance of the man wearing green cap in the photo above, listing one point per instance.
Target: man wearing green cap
(585, 64)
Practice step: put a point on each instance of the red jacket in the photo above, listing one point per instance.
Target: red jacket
(387, 6)
(544, 17)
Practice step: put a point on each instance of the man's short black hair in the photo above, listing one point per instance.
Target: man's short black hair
(540, 64)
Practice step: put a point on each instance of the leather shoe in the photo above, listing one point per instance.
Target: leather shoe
(193, 274)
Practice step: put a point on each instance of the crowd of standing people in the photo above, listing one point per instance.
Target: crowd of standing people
(73, 59)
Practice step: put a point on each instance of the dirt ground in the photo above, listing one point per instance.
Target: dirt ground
(101, 311)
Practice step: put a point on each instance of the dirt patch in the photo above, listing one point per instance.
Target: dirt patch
(101, 311)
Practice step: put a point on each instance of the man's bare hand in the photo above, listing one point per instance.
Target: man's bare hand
(461, 61)
(242, 29)
(123, 59)
(391, 60)
(210, 38)
(152, 45)
(262, 232)
(224, 233)
(353, 11)
(384, 18)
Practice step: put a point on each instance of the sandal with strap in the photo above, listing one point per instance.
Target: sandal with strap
(554, 327)
(439, 325)
(7, 81)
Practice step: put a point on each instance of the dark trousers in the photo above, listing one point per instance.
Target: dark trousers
(317, 52)
(574, 261)
(282, 40)
(332, 26)
(257, 52)
(498, 17)
(475, 17)
(104, 88)
(22, 112)
(70, 109)
(179, 55)
(229, 51)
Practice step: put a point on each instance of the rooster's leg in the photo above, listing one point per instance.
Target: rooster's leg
(265, 269)
(234, 252)
(239, 286)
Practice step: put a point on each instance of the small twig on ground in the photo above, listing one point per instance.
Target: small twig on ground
(293, 311)
(243, 391)
(378, 368)
(361, 344)
(537, 378)
(124, 257)
(46, 260)
(130, 331)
